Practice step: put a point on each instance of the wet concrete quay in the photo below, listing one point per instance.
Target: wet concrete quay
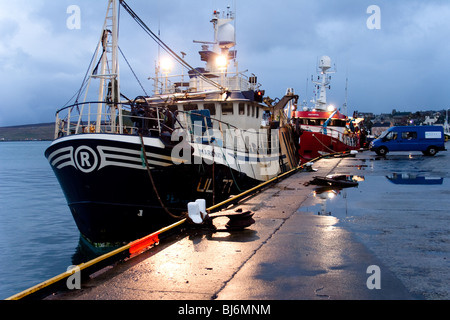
(308, 243)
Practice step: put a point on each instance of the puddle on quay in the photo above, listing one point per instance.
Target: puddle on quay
(330, 200)
(371, 193)
(413, 179)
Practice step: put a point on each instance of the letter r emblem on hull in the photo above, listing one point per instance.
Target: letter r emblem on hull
(86, 159)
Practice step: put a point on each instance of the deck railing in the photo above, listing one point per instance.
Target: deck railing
(159, 121)
(349, 138)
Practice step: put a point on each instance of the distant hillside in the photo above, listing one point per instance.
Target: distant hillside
(40, 131)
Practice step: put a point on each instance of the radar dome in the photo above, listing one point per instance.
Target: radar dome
(325, 62)
(226, 36)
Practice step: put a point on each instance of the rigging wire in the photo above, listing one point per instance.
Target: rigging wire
(83, 86)
(166, 47)
(137, 79)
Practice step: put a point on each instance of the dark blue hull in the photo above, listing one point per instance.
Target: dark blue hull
(109, 191)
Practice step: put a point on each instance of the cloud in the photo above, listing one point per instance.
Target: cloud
(40, 62)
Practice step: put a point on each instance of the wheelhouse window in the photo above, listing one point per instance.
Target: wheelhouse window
(241, 109)
(211, 107)
(250, 110)
(312, 122)
(227, 108)
(338, 123)
(190, 107)
(173, 107)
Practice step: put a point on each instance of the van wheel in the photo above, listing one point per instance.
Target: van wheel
(431, 151)
(382, 151)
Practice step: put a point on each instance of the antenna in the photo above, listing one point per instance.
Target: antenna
(305, 103)
(345, 103)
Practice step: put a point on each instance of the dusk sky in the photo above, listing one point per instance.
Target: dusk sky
(397, 57)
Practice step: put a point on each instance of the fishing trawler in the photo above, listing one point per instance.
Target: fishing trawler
(128, 167)
(324, 129)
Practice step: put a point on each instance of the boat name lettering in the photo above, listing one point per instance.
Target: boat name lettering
(207, 152)
(205, 185)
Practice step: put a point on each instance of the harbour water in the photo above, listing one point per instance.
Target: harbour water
(38, 237)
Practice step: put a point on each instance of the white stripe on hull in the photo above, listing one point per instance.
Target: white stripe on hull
(255, 165)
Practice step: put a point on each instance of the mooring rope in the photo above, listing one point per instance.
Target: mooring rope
(144, 156)
(323, 143)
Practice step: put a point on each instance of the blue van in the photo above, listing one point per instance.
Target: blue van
(428, 139)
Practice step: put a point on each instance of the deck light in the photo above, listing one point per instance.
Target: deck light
(166, 65)
(221, 62)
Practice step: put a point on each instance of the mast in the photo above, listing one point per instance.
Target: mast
(218, 59)
(323, 82)
(115, 92)
(109, 88)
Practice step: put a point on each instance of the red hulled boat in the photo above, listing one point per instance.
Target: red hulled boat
(323, 128)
